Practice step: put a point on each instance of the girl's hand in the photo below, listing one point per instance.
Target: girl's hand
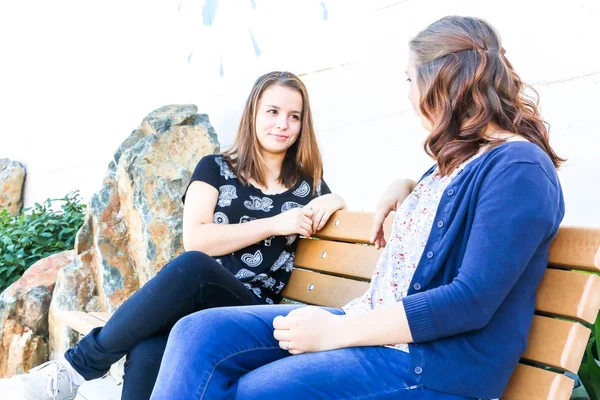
(307, 330)
(294, 221)
(390, 201)
(323, 207)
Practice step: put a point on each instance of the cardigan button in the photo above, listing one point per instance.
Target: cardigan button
(417, 286)
(429, 254)
(418, 370)
(450, 192)
(440, 224)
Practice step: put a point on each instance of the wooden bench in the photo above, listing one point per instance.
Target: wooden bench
(337, 268)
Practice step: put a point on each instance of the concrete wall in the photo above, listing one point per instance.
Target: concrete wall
(77, 78)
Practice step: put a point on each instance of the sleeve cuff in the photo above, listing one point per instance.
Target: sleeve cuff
(419, 318)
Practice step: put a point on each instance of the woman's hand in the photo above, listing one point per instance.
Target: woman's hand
(323, 207)
(390, 201)
(294, 221)
(307, 330)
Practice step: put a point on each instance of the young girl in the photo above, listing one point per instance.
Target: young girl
(244, 210)
(451, 300)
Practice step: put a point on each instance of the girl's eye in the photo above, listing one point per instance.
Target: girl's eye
(408, 80)
(272, 111)
(296, 117)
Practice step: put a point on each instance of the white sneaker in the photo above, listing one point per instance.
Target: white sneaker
(50, 380)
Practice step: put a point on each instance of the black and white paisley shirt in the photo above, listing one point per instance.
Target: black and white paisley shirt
(264, 267)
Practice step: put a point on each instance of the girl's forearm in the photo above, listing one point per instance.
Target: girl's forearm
(340, 201)
(217, 240)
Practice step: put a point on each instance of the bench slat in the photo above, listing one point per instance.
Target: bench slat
(561, 293)
(102, 316)
(573, 247)
(80, 321)
(577, 248)
(354, 260)
(569, 294)
(351, 226)
(531, 383)
(557, 343)
(322, 290)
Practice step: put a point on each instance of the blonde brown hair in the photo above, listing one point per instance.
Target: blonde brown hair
(466, 83)
(302, 159)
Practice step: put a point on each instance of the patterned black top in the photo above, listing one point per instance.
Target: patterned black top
(264, 267)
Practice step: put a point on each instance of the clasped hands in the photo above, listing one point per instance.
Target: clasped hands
(309, 219)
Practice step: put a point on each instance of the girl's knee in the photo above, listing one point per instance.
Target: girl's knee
(194, 257)
(146, 354)
(191, 262)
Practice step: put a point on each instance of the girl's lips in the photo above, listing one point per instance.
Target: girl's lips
(281, 137)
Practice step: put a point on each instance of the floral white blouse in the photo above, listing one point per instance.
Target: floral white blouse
(410, 232)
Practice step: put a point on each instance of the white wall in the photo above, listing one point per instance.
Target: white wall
(76, 77)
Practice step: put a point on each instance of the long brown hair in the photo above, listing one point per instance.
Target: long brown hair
(466, 83)
(302, 159)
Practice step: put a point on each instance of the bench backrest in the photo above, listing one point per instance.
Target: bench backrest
(337, 268)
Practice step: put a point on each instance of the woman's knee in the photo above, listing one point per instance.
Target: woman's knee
(207, 325)
(198, 321)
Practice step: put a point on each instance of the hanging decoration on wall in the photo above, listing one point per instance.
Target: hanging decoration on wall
(209, 12)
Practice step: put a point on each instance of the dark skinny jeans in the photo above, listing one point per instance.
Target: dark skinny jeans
(139, 328)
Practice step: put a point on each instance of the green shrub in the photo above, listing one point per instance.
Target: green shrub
(36, 233)
(589, 372)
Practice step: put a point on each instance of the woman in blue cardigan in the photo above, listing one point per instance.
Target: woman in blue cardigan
(451, 300)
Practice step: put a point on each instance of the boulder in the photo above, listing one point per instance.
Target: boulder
(133, 225)
(24, 315)
(12, 178)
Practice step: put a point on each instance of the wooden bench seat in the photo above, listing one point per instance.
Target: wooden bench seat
(335, 267)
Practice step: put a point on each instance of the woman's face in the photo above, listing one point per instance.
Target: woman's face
(413, 92)
(278, 119)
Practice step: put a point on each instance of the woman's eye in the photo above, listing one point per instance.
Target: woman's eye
(296, 117)
(274, 112)
(408, 80)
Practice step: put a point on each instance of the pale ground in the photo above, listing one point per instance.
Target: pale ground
(100, 389)
(107, 388)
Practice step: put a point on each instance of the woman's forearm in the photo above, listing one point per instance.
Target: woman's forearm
(217, 240)
(382, 326)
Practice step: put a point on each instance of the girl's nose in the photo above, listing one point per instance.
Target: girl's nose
(282, 122)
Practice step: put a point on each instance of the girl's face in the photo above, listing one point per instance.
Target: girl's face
(278, 119)
(414, 96)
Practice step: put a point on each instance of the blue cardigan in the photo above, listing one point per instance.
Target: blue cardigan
(472, 297)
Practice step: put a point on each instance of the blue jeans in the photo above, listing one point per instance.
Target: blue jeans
(139, 328)
(231, 353)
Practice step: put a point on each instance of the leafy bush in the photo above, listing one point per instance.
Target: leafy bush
(589, 372)
(36, 233)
